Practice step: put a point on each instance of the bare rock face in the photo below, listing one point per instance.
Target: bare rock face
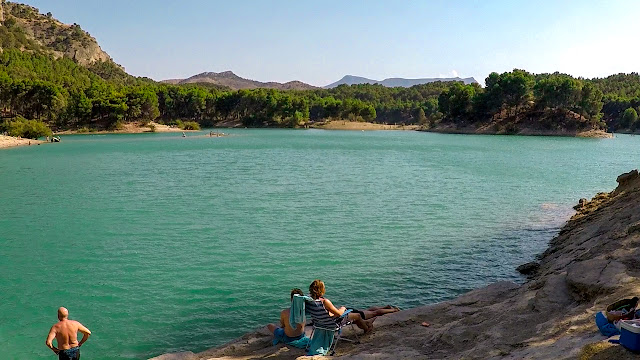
(529, 268)
(53, 36)
(590, 278)
(187, 355)
(626, 178)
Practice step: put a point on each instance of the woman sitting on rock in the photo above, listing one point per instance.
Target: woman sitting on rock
(362, 318)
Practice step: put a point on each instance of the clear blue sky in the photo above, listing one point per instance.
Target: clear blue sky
(320, 41)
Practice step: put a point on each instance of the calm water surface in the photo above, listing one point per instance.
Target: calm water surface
(159, 243)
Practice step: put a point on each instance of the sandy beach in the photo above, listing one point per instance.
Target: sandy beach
(10, 141)
(130, 128)
(357, 125)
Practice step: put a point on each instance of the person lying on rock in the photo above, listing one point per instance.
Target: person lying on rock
(287, 334)
(362, 318)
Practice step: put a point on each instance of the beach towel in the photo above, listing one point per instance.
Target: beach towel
(297, 311)
(320, 342)
(300, 342)
(606, 328)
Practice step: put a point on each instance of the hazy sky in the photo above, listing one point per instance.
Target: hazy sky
(320, 41)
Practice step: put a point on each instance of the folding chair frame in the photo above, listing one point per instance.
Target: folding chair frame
(338, 333)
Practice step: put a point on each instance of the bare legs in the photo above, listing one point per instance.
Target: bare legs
(374, 311)
(366, 325)
(271, 328)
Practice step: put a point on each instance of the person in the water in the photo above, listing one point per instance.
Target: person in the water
(65, 332)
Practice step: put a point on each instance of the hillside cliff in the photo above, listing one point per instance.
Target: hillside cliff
(592, 262)
(25, 28)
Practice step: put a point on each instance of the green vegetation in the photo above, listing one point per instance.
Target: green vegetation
(36, 83)
(187, 125)
(621, 92)
(629, 119)
(518, 99)
(21, 127)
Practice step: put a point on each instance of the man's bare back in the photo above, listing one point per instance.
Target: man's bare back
(288, 330)
(66, 333)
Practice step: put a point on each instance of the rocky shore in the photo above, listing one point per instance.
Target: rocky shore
(592, 262)
(493, 130)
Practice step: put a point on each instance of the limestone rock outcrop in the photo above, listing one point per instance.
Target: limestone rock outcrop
(52, 36)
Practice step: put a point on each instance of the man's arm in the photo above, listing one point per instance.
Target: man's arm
(49, 341)
(282, 316)
(85, 334)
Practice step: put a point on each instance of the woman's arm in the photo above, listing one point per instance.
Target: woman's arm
(333, 311)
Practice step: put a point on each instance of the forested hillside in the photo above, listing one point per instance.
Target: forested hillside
(57, 74)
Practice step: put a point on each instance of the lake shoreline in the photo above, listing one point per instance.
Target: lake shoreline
(588, 265)
(452, 129)
(128, 128)
(470, 130)
(358, 125)
(138, 128)
(7, 142)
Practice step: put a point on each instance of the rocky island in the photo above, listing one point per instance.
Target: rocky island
(592, 262)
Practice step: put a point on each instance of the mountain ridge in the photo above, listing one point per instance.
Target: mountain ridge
(395, 82)
(231, 80)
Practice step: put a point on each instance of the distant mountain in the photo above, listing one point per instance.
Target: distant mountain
(395, 82)
(235, 82)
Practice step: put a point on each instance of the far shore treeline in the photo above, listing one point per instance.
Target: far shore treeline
(65, 95)
(40, 91)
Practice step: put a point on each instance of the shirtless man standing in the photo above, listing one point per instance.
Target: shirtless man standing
(66, 333)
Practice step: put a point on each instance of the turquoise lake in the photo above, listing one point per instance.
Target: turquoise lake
(159, 243)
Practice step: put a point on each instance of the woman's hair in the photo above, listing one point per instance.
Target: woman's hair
(316, 289)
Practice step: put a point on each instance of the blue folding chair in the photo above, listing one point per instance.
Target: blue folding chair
(326, 329)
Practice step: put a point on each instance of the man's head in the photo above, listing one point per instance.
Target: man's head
(296, 291)
(316, 289)
(63, 313)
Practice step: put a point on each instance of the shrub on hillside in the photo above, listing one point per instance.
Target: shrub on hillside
(21, 127)
(188, 125)
(118, 125)
(629, 118)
